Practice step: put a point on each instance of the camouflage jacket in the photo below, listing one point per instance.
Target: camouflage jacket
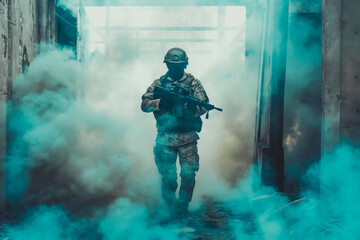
(150, 104)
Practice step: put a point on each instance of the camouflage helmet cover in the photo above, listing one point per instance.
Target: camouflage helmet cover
(176, 55)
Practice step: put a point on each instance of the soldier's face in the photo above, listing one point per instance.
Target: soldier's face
(176, 70)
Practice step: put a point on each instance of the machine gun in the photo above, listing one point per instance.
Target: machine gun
(180, 96)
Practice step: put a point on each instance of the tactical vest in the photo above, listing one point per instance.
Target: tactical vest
(167, 121)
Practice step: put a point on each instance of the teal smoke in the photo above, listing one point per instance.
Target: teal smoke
(123, 220)
(44, 223)
(44, 91)
(59, 140)
(45, 118)
(67, 164)
(332, 215)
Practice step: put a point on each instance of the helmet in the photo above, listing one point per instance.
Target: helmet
(176, 55)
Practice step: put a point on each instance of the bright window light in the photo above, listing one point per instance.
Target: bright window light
(198, 29)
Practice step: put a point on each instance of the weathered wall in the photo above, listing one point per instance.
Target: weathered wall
(22, 35)
(3, 88)
(46, 21)
(350, 71)
(23, 24)
(331, 51)
(341, 74)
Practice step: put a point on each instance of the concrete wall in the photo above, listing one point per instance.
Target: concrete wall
(22, 35)
(350, 71)
(23, 24)
(341, 73)
(4, 72)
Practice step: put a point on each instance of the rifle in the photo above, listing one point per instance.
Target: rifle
(180, 96)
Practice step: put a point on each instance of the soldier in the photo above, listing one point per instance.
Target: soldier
(177, 135)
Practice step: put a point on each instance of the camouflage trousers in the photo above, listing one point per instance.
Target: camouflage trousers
(165, 159)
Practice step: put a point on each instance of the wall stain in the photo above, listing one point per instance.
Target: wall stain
(25, 60)
(5, 44)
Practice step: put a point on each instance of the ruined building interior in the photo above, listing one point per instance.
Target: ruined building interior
(76, 151)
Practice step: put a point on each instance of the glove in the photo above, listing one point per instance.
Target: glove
(165, 103)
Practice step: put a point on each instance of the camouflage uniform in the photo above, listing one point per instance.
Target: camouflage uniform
(174, 139)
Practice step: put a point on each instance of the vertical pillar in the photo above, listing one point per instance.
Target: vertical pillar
(331, 74)
(341, 75)
(269, 153)
(350, 72)
(46, 20)
(4, 75)
(256, 15)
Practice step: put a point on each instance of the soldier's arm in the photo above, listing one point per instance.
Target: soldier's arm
(149, 104)
(200, 93)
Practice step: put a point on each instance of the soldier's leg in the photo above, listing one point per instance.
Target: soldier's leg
(165, 159)
(189, 162)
